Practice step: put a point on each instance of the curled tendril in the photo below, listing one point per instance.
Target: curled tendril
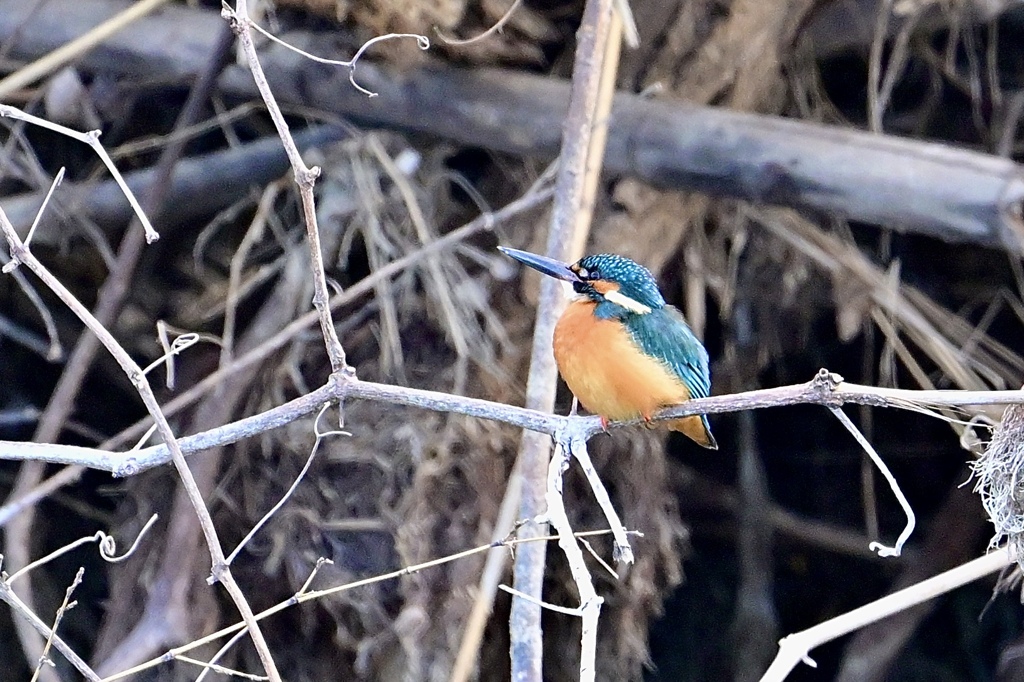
(107, 547)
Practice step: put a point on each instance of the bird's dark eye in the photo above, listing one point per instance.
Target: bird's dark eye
(594, 274)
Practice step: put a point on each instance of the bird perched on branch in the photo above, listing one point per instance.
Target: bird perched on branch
(623, 351)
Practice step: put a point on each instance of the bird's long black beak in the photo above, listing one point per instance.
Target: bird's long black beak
(549, 266)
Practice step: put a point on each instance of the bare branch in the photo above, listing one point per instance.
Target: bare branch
(220, 570)
(590, 602)
(563, 428)
(64, 606)
(796, 647)
(304, 596)
(305, 178)
(91, 138)
(19, 607)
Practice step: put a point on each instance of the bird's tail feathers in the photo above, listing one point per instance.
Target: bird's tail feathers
(697, 429)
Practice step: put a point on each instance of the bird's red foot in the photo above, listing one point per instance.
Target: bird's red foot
(604, 423)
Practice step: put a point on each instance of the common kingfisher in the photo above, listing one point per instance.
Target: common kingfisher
(623, 351)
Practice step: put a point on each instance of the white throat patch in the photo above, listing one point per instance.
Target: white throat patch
(620, 299)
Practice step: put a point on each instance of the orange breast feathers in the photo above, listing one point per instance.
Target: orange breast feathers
(609, 374)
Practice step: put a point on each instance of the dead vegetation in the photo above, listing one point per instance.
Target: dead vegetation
(776, 292)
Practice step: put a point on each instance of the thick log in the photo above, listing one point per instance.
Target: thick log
(232, 172)
(935, 189)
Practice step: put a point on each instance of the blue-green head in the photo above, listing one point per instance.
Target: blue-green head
(618, 285)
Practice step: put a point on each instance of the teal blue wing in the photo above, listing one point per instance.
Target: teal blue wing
(664, 334)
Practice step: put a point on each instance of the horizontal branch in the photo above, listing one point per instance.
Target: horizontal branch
(825, 389)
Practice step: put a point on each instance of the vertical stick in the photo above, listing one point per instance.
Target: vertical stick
(535, 450)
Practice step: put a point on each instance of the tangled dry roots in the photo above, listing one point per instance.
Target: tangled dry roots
(1000, 474)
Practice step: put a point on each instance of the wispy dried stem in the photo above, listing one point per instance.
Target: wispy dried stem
(64, 606)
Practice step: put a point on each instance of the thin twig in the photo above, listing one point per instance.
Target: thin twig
(882, 550)
(59, 178)
(208, 667)
(54, 351)
(600, 559)
(228, 645)
(312, 574)
(163, 338)
(622, 550)
(64, 606)
(304, 596)
(91, 138)
(541, 603)
(176, 347)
